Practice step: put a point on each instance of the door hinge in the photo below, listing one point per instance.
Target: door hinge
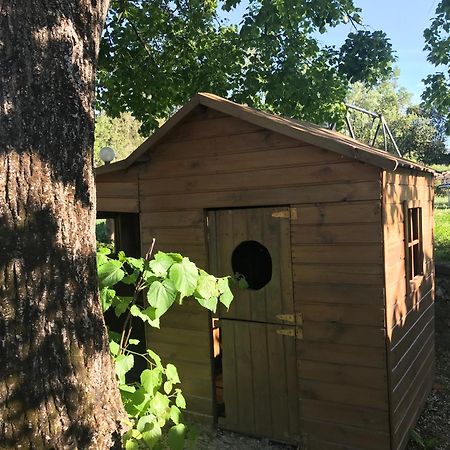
(291, 318)
(290, 213)
(292, 332)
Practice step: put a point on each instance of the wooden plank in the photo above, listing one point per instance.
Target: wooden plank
(349, 437)
(332, 213)
(401, 435)
(338, 413)
(238, 143)
(183, 218)
(200, 129)
(230, 379)
(348, 395)
(244, 375)
(337, 234)
(346, 334)
(199, 405)
(406, 177)
(343, 253)
(398, 193)
(333, 274)
(125, 205)
(117, 189)
(174, 236)
(343, 314)
(183, 352)
(305, 194)
(368, 377)
(261, 383)
(257, 179)
(342, 293)
(231, 162)
(411, 323)
(341, 354)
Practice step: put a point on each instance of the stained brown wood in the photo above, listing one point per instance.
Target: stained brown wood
(214, 180)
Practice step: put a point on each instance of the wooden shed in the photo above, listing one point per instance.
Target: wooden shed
(332, 346)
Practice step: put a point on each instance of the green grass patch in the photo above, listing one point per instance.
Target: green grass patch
(442, 234)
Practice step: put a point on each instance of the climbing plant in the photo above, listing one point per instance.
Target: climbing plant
(154, 403)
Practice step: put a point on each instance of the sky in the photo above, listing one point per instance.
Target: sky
(403, 21)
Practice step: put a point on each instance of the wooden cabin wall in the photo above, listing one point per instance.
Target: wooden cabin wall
(216, 161)
(118, 191)
(409, 318)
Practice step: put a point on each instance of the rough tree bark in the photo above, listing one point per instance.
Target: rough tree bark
(57, 387)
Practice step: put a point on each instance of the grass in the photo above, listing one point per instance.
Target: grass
(442, 234)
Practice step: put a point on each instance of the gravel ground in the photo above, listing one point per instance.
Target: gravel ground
(432, 430)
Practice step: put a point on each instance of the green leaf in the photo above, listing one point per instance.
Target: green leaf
(161, 296)
(175, 414)
(107, 296)
(131, 444)
(114, 348)
(172, 374)
(161, 263)
(127, 388)
(152, 436)
(180, 401)
(184, 276)
(123, 364)
(226, 296)
(121, 304)
(207, 286)
(167, 387)
(160, 405)
(134, 341)
(176, 437)
(145, 423)
(136, 263)
(131, 279)
(110, 273)
(151, 380)
(208, 303)
(155, 357)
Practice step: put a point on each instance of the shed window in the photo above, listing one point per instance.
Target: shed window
(414, 247)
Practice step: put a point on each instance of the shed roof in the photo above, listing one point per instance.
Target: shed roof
(304, 131)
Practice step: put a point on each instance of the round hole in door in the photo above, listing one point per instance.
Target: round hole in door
(252, 259)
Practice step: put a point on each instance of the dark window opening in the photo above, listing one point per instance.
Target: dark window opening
(252, 260)
(414, 256)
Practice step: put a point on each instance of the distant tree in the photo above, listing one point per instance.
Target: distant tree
(418, 132)
(156, 54)
(120, 133)
(437, 44)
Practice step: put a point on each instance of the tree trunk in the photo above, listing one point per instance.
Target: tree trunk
(57, 387)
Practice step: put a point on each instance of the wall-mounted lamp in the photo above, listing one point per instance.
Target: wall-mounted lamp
(107, 154)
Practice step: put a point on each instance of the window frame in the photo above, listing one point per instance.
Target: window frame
(413, 229)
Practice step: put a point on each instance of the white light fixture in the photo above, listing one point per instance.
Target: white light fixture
(107, 154)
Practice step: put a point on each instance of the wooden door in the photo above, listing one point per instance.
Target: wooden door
(269, 227)
(260, 331)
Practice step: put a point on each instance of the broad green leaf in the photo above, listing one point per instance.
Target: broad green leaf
(144, 422)
(176, 437)
(135, 311)
(136, 263)
(107, 296)
(127, 388)
(180, 401)
(134, 341)
(161, 264)
(208, 303)
(161, 296)
(226, 296)
(175, 414)
(151, 380)
(155, 357)
(114, 348)
(131, 279)
(110, 273)
(104, 251)
(184, 276)
(207, 286)
(131, 444)
(167, 387)
(175, 256)
(101, 257)
(160, 405)
(121, 304)
(152, 436)
(121, 256)
(123, 364)
(172, 374)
